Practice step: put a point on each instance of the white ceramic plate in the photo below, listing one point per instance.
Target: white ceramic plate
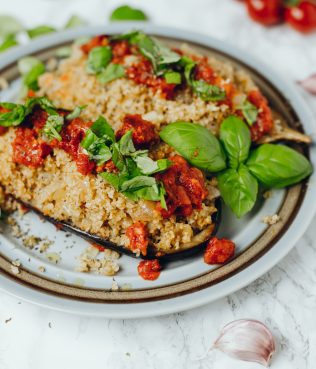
(185, 283)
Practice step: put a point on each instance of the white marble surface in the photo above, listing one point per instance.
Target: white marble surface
(284, 298)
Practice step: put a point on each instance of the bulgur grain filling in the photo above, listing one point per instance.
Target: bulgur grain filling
(120, 141)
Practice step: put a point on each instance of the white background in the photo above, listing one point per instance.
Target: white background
(285, 298)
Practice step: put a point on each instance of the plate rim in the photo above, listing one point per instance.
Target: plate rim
(223, 288)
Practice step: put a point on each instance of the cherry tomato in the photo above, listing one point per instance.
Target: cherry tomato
(218, 251)
(302, 17)
(266, 12)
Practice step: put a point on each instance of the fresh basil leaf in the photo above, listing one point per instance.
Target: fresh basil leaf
(278, 166)
(76, 112)
(98, 58)
(110, 73)
(43, 102)
(162, 193)
(149, 166)
(96, 147)
(113, 179)
(196, 144)
(102, 128)
(53, 126)
(249, 111)
(188, 64)
(118, 158)
(173, 78)
(146, 193)
(30, 79)
(235, 137)
(137, 183)
(8, 42)
(27, 63)
(75, 21)
(14, 116)
(125, 12)
(9, 26)
(239, 189)
(40, 31)
(126, 145)
(159, 55)
(63, 52)
(208, 92)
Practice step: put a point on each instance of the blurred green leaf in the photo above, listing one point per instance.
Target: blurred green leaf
(8, 41)
(126, 13)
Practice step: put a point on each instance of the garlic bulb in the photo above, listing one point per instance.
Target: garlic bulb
(248, 340)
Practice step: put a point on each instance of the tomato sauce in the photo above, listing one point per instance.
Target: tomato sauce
(144, 133)
(120, 49)
(185, 187)
(149, 269)
(142, 73)
(218, 251)
(72, 135)
(138, 237)
(264, 122)
(96, 41)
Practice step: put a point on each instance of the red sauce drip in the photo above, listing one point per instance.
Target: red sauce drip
(185, 187)
(144, 132)
(97, 246)
(96, 41)
(264, 121)
(138, 237)
(205, 72)
(142, 73)
(72, 135)
(218, 251)
(149, 269)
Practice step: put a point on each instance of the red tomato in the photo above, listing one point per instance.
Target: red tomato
(219, 251)
(302, 17)
(266, 12)
(149, 269)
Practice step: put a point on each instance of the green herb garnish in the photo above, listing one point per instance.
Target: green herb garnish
(31, 68)
(9, 26)
(98, 58)
(53, 127)
(249, 111)
(125, 12)
(76, 112)
(135, 166)
(110, 73)
(173, 77)
(75, 21)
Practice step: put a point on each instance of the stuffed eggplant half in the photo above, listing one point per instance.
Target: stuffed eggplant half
(119, 143)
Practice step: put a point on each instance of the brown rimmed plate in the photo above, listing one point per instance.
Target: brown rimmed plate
(185, 283)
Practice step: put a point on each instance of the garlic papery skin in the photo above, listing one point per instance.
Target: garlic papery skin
(248, 340)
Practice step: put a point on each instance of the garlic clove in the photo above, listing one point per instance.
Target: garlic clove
(247, 340)
(309, 84)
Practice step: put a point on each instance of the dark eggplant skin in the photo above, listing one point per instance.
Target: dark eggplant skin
(152, 253)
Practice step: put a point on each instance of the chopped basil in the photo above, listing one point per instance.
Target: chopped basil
(18, 112)
(8, 42)
(9, 26)
(173, 77)
(159, 55)
(31, 68)
(40, 31)
(76, 112)
(99, 57)
(125, 12)
(134, 166)
(249, 111)
(110, 73)
(53, 127)
(75, 21)
(208, 92)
